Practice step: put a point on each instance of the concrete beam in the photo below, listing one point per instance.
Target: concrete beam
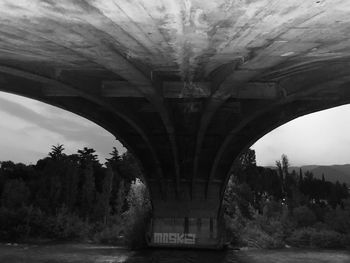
(179, 89)
(256, 90)
(120, 89)
(176, 90)
(56, 91)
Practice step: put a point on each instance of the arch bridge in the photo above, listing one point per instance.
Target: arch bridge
(186, 85)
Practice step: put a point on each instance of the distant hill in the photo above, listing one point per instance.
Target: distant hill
(331, 173)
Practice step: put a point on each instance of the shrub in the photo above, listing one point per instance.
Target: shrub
(138, 216)
(326, 239)
(67, 226)
(338, 220)
(233, 228)
(254, 236)
(310, 237)
(304, 216)
(112, 233)
(272, 226)
(15, 194)
(109, 235)
(20, 223)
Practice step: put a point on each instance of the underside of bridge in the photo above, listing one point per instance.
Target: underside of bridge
(186, 85)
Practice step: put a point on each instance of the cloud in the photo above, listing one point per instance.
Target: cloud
(318, 138)
(27, 124)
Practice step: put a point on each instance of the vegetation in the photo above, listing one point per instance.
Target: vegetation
(72, 197)
(272, 208)
(75, 197)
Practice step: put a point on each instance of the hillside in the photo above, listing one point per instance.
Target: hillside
(332, 173)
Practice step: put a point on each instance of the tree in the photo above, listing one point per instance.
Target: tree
(119, 200)
(104, 197)
(88, 191)
(71, 186)
(248, 158)
(87, 156)
(129, 168)
(283, 166)
(137, 217)
(15, 194)
(115, 157)
(56, 152)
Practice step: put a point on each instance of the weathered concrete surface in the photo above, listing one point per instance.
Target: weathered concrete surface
(186, 84)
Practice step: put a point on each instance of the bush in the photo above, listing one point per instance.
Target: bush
(338, 220)
(67, 226)
(21, 223)
(137, 218)
(272, 226)
(326, 239)
(109, 235)
(304, 216)
(311, 238)
(233, 228)
(301, 237)
(254, 236)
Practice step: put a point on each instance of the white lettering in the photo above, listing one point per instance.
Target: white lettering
(174, 238)
(158, 237)
(180, 239)
(190, 239)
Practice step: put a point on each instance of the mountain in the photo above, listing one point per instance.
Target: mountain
(331, 173)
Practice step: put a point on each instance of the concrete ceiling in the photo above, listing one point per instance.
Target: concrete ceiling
(184, 40)
(186, 84)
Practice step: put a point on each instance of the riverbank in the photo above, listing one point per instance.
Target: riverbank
(91, 253)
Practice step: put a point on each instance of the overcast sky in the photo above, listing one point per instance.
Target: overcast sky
(29, 128)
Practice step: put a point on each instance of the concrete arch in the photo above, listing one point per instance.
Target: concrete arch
(33, 90)
(276, 116)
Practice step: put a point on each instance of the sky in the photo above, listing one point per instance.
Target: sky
(29, 128)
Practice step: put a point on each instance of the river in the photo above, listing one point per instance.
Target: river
(89, 253)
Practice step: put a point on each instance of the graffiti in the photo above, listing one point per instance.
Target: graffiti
(174, 238)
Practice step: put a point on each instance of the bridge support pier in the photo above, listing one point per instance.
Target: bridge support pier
(185, 222)
(186, 232)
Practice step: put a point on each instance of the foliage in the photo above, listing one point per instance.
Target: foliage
(76, 197)
(69, 197)
(338, 220)
(68, 226)
(267, 207)
(234, 225)
(138, 216)
(310, 237)
(109, 235)
(57, 152)
(15, 193)
(304, 216)
(254, 236)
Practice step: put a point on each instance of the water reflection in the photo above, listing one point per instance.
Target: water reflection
(179, 256)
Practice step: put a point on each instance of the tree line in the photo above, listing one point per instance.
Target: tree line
(67, 196)
(277, 206)
(77, 197)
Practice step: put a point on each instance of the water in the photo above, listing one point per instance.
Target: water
(178, 256)
(89, 253)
